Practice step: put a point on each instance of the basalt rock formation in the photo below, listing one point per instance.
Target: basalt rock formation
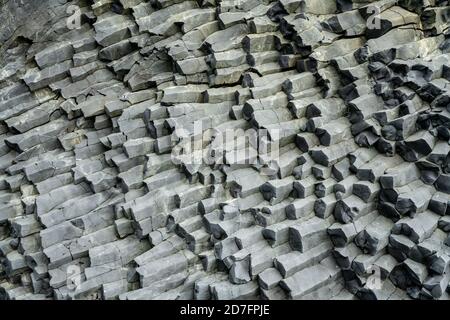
(234, 149)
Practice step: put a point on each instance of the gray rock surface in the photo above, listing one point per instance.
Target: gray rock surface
(253, 149)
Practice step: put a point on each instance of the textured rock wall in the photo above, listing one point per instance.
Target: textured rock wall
(333, 181)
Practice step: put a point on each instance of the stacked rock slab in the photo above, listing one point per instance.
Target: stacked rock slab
(250, 149)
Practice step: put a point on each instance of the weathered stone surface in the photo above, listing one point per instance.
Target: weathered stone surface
(219, 150)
